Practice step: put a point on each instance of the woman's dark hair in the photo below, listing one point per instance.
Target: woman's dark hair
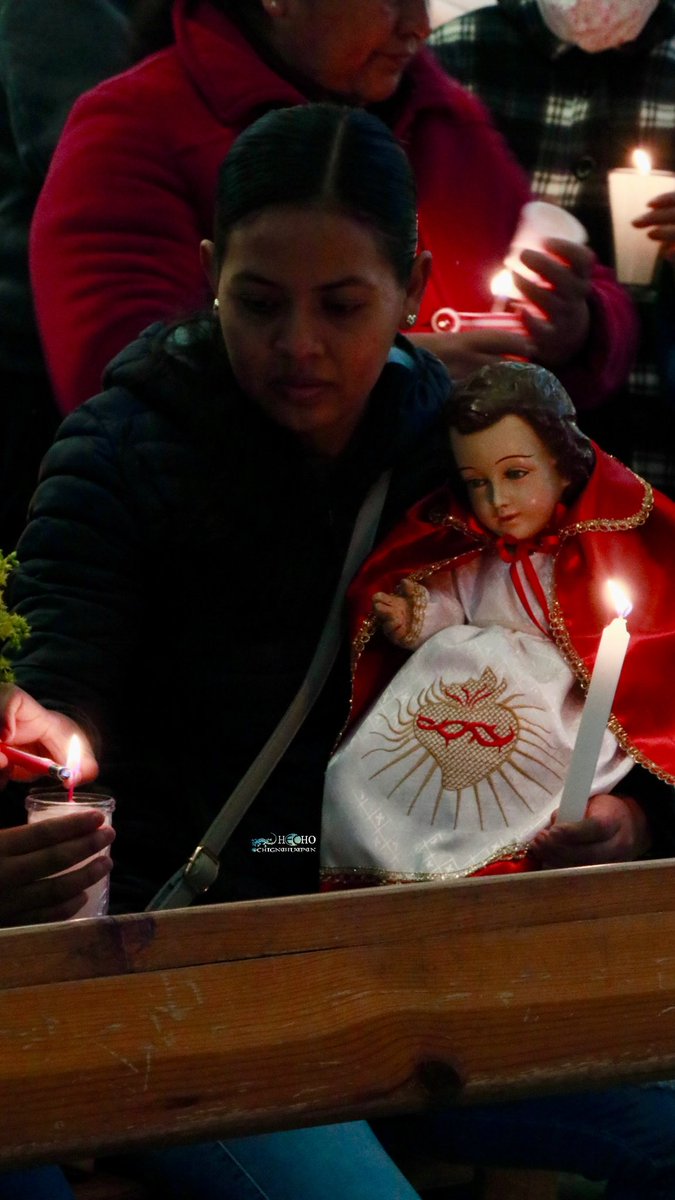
(327, 156)
(533, 393)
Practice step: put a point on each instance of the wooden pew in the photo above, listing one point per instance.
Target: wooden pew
(178, 1026)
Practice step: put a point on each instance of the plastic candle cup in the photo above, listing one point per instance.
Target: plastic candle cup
(539, 221)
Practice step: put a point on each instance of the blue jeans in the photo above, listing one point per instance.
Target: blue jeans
(625, 1136)
(34, 1183)
(331, 1162)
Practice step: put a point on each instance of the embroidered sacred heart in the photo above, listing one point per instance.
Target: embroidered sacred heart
(469, 733)
(466, 732)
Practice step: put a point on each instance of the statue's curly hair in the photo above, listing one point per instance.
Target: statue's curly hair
(533, 393)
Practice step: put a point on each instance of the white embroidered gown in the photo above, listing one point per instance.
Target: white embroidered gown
(462, 759)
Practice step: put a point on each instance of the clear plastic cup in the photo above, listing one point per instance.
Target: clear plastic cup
(43, 805)
(540, 220)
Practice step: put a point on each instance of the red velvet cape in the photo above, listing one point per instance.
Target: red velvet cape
(618, 528)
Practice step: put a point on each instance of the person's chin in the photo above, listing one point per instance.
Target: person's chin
(383, 81)
(299, 417)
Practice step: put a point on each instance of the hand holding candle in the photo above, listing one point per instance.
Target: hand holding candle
(631, 191)
(32, 889)
(595, 715)
(614, 829)
(49, 805)
(539, 223)
(41, 730)
(550, 269)
(546, 306)
(659, 222)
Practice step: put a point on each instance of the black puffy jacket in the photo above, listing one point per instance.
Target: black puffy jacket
(176, 573)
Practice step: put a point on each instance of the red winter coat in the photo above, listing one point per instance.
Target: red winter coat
(131, 192)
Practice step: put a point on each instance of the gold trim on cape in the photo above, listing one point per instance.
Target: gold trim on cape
(344, 876)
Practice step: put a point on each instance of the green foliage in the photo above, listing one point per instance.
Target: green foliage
(13, 628)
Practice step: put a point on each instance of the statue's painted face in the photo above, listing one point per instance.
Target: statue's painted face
(511, 477)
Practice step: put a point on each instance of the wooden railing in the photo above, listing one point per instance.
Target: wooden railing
(182, 1025)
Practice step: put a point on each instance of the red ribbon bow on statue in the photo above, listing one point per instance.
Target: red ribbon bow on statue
(520, 552)
(515, 552)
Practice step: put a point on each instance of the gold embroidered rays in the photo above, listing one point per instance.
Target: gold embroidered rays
(461, 735)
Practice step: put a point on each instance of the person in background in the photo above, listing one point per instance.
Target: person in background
(49, 54)
(575, 88)
(131, 187)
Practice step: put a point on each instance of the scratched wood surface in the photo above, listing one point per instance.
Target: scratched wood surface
(182, 1025)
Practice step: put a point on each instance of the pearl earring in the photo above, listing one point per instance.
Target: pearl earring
(216, 306)
(410, 319)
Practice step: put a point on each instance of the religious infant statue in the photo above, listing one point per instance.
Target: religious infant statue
(457, 753)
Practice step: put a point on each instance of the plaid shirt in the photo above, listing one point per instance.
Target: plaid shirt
(569, 118)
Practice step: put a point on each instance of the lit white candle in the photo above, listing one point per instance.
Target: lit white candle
(630, 190)
(503, 289)
(595, 715)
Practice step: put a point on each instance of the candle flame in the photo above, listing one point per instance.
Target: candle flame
(620, 598)
(642, 162)
(502, 285)
(74, 761)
